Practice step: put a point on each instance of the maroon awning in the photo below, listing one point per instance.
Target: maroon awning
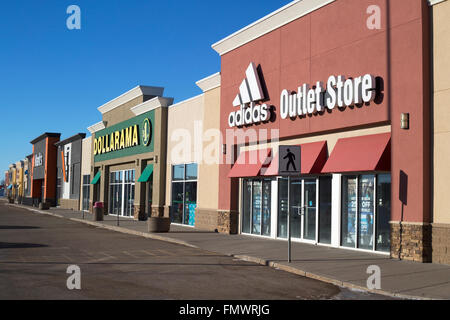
(364, 153)
(249, 163)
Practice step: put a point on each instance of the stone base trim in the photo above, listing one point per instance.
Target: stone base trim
(206, 219)
(441, 243)
(227, 222)
(158, 211)
(70, 204)
(411, 241)
(139, 213)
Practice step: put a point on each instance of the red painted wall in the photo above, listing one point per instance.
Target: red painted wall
(335, 40)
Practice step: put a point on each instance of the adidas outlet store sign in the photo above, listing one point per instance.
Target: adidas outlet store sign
(250, 92)
(339, 92)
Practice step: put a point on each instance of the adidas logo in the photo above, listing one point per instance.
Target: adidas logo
(250, 92)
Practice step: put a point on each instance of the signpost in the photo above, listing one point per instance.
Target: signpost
(289, 164)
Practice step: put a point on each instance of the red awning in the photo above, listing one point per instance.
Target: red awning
(365, 153)
(313, 157)
(249, 163)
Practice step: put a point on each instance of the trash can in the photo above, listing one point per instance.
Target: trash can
(98, 211)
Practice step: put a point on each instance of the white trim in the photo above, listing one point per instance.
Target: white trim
(97, 127)
(152, 104)
(434, 2)
(130, 95)
(290, 12)
(187, 100)
(209, 83)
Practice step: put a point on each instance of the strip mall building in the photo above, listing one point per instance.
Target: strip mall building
(367, 104)
(358, 102)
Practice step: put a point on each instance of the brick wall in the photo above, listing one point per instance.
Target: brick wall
(227, 222)
(441, 243)
(411, 241)
(206, 219)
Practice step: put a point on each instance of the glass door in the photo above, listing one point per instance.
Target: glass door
(303, 208)
(296, 207)
(309, 209)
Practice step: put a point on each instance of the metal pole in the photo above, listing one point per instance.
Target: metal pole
(289, 219)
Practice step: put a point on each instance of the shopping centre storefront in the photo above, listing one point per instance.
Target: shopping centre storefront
(69, 172)
(128, 154)
(43, 170)
(307, 76)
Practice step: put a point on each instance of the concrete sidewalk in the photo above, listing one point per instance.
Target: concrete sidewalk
(345, 268)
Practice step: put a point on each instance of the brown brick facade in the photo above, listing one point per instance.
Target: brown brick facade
(441, 243)
(411, 241)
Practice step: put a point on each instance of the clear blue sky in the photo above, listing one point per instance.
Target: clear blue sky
(53, 79)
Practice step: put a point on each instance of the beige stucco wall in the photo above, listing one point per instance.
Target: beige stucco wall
(441, 112)
(184, 128)
(208, 189)
(86, 156)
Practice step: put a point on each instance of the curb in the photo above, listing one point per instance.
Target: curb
(335, 282)
(260, 261)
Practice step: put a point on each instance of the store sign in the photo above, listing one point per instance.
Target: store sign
(250, 92)
(133, 136)
(146, 132)
(117, 140)
(339, 92)
(38, 160)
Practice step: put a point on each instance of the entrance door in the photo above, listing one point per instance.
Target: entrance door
(303, 206)
(309, 209)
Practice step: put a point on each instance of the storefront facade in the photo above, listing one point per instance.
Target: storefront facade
(193, 145)
(68, 180)
(86, 152)
(441, 130)
(314, 75)
(44, 170)
(128, 154)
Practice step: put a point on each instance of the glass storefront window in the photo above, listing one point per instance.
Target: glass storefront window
(282, 207)
(366, 211)
(247, 206)
(184, 194)
(348, 221)
(191, 171)
(266, 211)
(178, 173)
(190, 203)
(256, 207)
(371, 211)
(383, 230)
(325, 210)
(177, 202)
(86, 192)
(121, 193)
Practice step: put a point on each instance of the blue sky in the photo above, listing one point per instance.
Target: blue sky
(53, 79)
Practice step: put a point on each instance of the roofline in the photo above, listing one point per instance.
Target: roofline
(46, 135)
(78, 136)
(290, 12)
(130, 95)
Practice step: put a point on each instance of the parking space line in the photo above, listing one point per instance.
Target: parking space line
(129, 254)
